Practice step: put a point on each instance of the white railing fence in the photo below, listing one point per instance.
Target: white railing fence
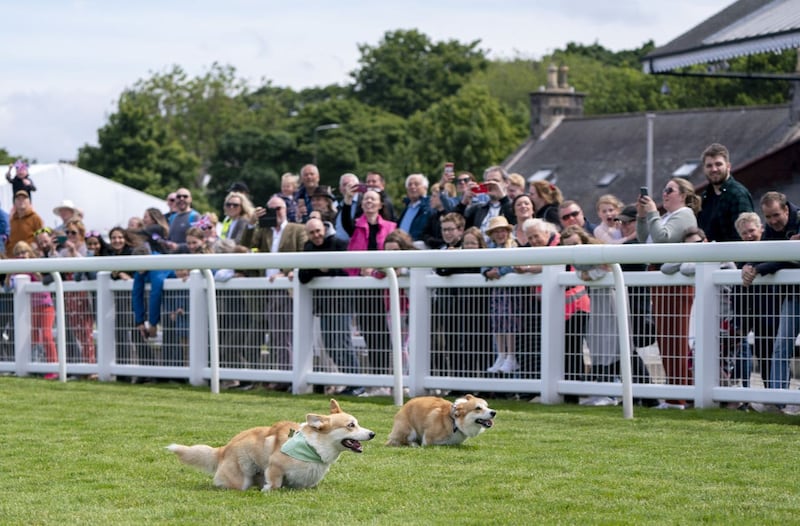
(415, 302)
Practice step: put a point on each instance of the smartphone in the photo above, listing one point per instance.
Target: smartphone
(361, 188)
(481, 188)
(60, 240)
(448, 168)
(643, 191)
(270, 219)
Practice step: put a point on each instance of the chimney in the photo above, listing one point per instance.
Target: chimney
(557, 99)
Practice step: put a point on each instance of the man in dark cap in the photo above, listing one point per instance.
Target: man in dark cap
(322, 200)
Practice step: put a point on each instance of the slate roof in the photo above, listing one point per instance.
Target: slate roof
(584, 150)
(744, 28)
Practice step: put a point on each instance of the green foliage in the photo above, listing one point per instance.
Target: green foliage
(93, 453)
(136, 150)
(470, 129)
(406, 72)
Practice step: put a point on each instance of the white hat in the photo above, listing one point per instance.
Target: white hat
(66, 203)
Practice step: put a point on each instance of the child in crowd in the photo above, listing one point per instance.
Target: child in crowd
(289, 183)
(20, 180)
(504, 311)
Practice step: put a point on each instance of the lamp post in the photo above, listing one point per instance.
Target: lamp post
(322, 127)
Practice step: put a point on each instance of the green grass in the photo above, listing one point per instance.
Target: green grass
(93, 453)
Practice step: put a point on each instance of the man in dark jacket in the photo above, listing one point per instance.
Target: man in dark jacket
(723, 199)
(332, 306)
(496, 180)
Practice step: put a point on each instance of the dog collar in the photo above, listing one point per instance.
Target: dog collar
(298, 447)
(453, 418)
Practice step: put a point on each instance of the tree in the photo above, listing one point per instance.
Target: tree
(406, 72)
(470, 129)
(136, 150)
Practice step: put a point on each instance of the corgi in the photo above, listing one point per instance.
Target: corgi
(284, 454)
(432, 421)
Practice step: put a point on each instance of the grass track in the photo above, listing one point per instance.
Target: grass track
(92, 453)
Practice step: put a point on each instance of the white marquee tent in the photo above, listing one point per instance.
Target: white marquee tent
(104, 203)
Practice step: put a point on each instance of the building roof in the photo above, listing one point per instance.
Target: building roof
(746, 27)
(581, 155)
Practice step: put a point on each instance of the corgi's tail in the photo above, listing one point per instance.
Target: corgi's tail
(200, 456)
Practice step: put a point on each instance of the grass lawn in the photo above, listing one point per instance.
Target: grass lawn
(93, 453)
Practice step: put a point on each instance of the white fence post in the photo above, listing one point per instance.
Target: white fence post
(419, 338)
(198, 322)
(106, 325)
(552, 334)
(706, 359)
(302, 336)
(22, 325)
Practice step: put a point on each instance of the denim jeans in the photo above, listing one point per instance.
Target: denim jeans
(788, 328)
(335, 330)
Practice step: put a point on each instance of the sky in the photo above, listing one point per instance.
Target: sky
(65, 62)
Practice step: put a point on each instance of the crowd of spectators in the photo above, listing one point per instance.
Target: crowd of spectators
(456, 212)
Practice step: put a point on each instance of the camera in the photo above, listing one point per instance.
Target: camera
(480, 188)
(269, 219)
(643, 191)
(361, 188)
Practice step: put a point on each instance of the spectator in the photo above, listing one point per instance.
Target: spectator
(275, 234)
(608, 208)
(181, 220)
(523, 210)
(207, 224)
(571, 213)
(756, 307)
(602, 334)
(238, 211)
(723, 199)
(368, 233)
(375, 181)
(44, 243)
(322, 201)
(503, 301)
(172, 206)
(414, 217)
(479, 214)
(516, 186)
(153, 216)
(309, 176)
(21, 179)
(146, 305)
(196, 242)
(79, 306)
(95, 244)
(546, 200)
(66, 211)
(445, 188)
(332, 306)
(345, 181)
(5, 231)
(289, 183)
(432, 236)
(23, 222)
(135, 223)
(464, 181)
(43, 315)
(671, 304)
(783, 222)
(120, 245)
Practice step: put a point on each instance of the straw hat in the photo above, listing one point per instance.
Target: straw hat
(66, 203)
(498, 222)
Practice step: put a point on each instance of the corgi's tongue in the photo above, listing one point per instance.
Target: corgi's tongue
(352, 445)
(485, 423)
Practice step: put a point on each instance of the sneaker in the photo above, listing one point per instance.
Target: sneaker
(509, 364)
(245, 386)
(230, 384)
(51, 376)
(668, 405)
(764, 408)
(353, 391)
(497, 365)
(598, 401)
(792, 410)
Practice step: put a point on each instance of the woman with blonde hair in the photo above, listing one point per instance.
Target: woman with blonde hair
(238, 211)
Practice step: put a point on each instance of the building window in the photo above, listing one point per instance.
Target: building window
(607, 179)
(686, 169)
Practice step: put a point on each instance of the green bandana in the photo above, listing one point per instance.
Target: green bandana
(297, 447)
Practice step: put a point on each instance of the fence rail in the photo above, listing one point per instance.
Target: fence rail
(339, 331)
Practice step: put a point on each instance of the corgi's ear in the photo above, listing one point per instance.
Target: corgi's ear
(316, 421)
(469, 397)
(458, 408)
(335, 407)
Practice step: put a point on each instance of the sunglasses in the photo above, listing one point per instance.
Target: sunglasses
(668, 190)
(171, 200)
(232, 205)
(72, 232)
(182, 196)
(571, 215)
(45, 230)
(462, 180)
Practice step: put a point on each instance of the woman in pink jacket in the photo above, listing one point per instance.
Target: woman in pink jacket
(369, 232)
